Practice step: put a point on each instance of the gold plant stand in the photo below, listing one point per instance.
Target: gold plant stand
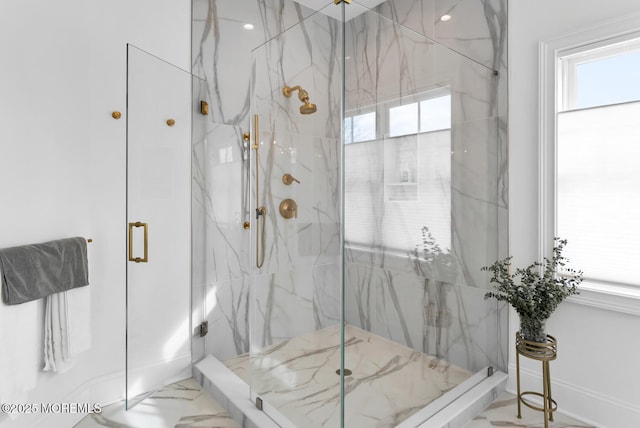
(540, 351)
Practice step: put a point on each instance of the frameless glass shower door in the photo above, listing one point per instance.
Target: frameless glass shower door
(158, 228)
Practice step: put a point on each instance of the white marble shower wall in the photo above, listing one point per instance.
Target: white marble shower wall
(297, 282)
(284, 47)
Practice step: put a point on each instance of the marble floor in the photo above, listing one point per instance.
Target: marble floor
(503, 412)
(388, 382)
(185, 405)
(179, 405)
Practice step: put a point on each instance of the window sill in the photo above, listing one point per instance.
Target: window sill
(609, 297)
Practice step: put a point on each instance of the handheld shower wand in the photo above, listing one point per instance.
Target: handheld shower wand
(261, 211)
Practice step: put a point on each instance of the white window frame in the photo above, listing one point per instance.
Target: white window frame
(359, 112)
(382, 110)
(604, 296)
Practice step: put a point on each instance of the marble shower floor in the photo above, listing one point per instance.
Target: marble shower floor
(389, 382)
(503, 412)
(180, 405)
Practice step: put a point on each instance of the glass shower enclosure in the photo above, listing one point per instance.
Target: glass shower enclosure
(371, 183)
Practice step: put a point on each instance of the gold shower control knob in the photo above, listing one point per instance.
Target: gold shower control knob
(288, 208)
(116, 115)
(288, 179)
(171, 122)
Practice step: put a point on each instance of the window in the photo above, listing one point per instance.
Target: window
(360, 128)
(398, 179)
(591, 159)
(432, 114)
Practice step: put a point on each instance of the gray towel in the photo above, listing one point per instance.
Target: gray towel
(31, 272)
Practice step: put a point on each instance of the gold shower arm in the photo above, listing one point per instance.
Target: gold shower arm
(288, 90)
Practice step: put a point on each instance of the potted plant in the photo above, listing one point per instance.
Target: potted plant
(535, 291)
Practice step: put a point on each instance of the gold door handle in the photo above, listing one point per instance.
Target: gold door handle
(144, 259)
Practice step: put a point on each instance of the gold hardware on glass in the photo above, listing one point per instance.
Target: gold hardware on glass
(204, 107)
(171, 122)
(144, 259)
(288, 179)
(116, 115)
(246, 136)
(289, 208)
(340, 1)
(246, 225)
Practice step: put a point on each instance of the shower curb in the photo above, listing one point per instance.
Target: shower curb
(453, 410)
(464, 409)
(231, 392)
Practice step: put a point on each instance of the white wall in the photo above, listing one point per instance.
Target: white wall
(62, 160)
(597, 373)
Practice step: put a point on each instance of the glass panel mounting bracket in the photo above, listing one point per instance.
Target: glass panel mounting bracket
(204, 328)
(259, 403)
(340, 1)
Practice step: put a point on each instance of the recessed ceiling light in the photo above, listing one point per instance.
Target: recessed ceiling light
(248, 26)
(445, 17)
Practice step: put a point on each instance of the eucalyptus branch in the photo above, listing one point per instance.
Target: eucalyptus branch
(536, 290)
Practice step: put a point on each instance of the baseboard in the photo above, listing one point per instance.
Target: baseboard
(585, 405)
(102, 390)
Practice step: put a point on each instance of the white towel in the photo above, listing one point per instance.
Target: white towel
(20, 326)
(67, 328)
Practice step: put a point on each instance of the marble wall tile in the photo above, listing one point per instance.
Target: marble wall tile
(477, 29)
(292, 303)
(474, 159)
(281, 307)
(220, 191)
(418, 15)
(473, 87)
(446, 320)
(312, 236)
(227, 310)
(474, 198)
(327, 295)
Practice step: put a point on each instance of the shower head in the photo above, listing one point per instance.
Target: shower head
(303, 96)
(308, 108)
